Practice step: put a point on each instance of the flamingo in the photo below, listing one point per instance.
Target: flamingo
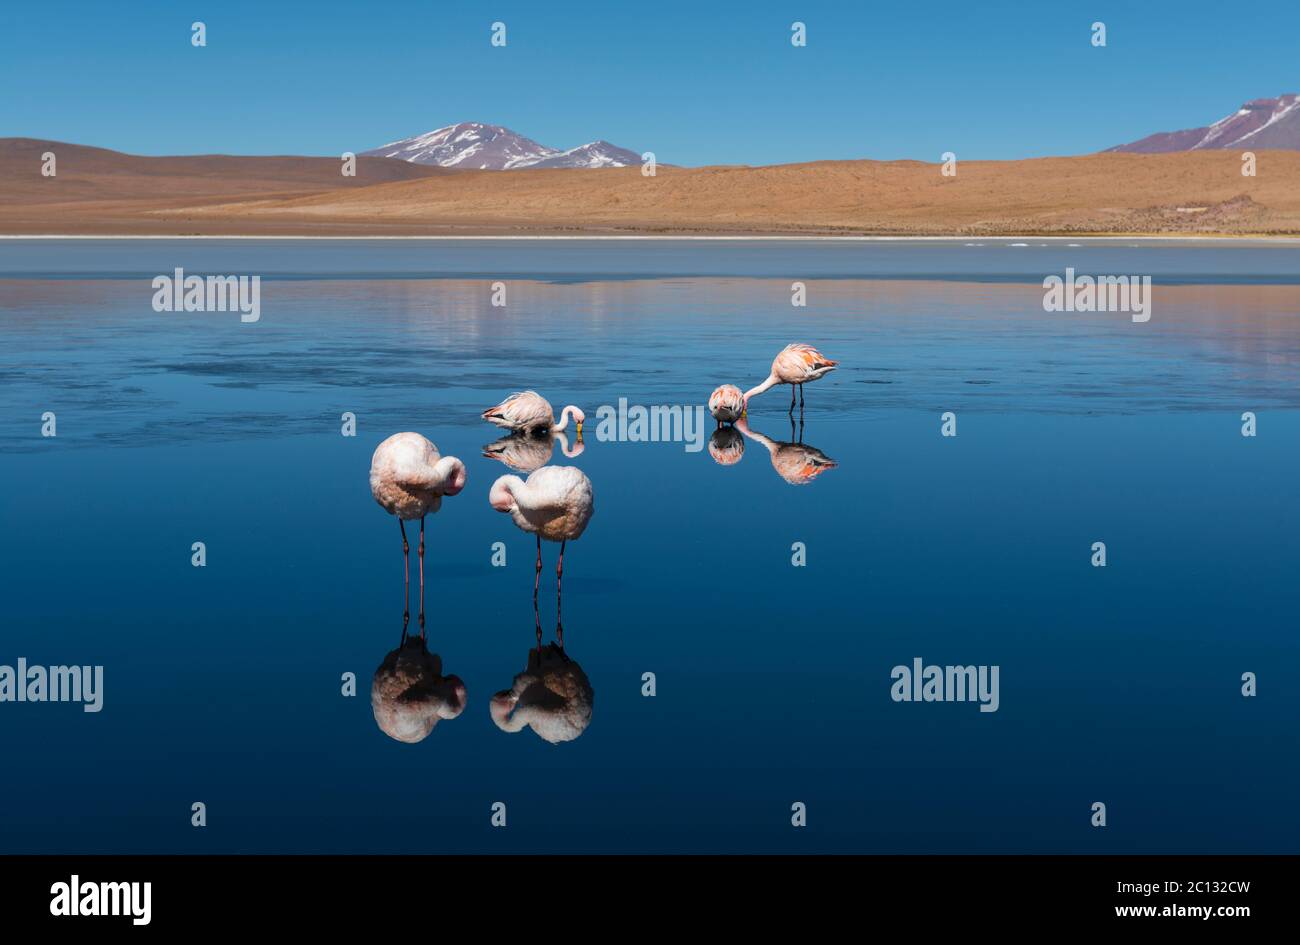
(524, 453)
(796, 365)
(408, 479)
(727, 404)
(530, 412)
(554, 503)
(794, 462)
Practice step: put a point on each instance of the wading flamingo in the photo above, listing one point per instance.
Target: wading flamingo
(524, 453)
(796, 365)
(794, 462)
(554, 502)
(530, 412)
(408, 478)
(727, 404)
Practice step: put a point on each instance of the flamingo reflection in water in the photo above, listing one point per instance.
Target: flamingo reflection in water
(552, 695)
(726, 446)
(794, 461)
(526, 453)
(408, 693)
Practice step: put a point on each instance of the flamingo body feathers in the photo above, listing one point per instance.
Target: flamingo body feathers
(555, 502)
(408, 477)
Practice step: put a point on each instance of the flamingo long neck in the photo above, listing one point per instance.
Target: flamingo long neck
(564, 419)
(772, 380)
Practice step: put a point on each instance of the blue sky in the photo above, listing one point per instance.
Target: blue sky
(697, 83)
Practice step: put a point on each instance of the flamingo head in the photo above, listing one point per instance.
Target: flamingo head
(579, 417)
(453, 475)
(501, 495)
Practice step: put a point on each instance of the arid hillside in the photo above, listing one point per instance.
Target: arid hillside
(1184, 193)
(97, 190)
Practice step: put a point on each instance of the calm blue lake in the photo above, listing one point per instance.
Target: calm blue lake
(223, 684)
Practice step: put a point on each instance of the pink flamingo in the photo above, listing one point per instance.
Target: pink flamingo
(408, 479)
(796, 365)
(727, 404)
(530, 412)
(555, 503)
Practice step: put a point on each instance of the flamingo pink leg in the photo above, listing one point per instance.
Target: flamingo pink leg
(421, 556)
(559, 597)
(406, 559)
(537, 576)
(423, 634)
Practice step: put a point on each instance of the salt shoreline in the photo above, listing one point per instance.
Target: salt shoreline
(971, 240)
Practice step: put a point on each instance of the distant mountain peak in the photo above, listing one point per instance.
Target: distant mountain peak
(1261, 123)
(592, 154)
(478, 146)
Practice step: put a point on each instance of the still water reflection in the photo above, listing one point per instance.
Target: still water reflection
(409, 693)
(552, 695)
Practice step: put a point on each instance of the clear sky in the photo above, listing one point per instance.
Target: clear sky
(699, 82)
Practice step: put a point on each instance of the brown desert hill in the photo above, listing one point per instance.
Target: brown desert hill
(94, 184)
(100, 174)
(1101, 193)
(1200, 192)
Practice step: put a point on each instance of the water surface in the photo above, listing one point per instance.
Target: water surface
(222, 684)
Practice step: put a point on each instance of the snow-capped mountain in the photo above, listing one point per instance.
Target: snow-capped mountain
(1263, 123)
(595, 154)
(469, 145)
(473, 145)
